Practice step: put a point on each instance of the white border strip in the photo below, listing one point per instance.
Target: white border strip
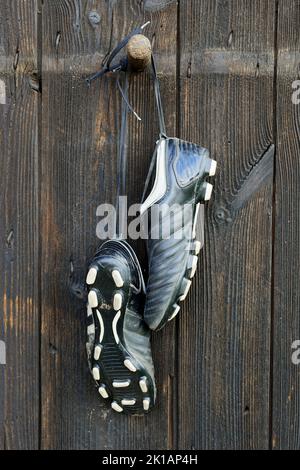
(2, 92)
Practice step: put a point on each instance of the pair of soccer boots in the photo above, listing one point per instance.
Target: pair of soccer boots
(121, 308)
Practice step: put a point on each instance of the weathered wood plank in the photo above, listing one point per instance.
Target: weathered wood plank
(226, 103)
(286, 375)
(19, 263)
(79, 170)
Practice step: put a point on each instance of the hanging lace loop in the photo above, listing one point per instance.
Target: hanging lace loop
(123, 64)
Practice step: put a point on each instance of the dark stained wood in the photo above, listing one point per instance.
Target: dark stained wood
(79, 171)
(286, 397)
(226, 104)
(224, 369)
(19, 253)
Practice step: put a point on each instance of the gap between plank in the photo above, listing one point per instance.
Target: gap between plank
(39, 46)
(271, 373)
(178, 122)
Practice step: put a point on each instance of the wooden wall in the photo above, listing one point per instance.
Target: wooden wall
(224, 370)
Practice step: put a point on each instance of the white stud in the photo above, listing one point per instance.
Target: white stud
(91, 329)
(124, 384)
(197, 247)
(143, 385)
(213, 168)
(129, 365)
(103, 392)
(117, 304)
(146, 404)
(116, 407)
(114, 327)
(96, 373)
(187, 288)
(2, 92)
(89, 311)
(176, 311)
(97, 352)
(117, 278)
(194, 266)
(128, 402)
(93, 299)
(208, 191)
(91, 276)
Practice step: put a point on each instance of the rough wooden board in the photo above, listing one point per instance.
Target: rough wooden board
(19, 260)
(226, 102)
(224, 334)
(79, 169)
(286, 375)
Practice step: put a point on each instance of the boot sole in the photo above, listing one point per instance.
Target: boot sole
(119, 377)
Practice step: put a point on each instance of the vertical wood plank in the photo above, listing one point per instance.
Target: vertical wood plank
(19, 263)
(226, 104)
(79, 171)
(286, 375)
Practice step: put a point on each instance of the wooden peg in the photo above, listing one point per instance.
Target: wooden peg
(139, 52)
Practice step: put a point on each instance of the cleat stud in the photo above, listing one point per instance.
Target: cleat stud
(97, 352)
(193, 266)
(126, 402)
(96, 373)
(121, 384)
(187, 284)
(102, 391)
(117, 278)
(213, 168)
(208, 191)
(117, 302)
(116, 407)
(197, 247)
(146, 404)
(91, 276)
(93, 299)
(143, 385)
(129, 365)
(175, 313)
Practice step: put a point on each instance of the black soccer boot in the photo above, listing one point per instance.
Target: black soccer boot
(179, 172)
(118, 345)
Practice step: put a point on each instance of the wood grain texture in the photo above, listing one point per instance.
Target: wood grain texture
(286, 397)
(80, 131)
(19, 260)
(224, 370)
(226, 104)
